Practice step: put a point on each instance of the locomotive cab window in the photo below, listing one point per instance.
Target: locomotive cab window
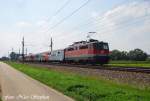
(105, 46)
(100, 46)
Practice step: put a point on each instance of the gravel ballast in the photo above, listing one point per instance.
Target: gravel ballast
(141, 80)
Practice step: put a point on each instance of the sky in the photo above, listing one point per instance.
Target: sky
(124, 24)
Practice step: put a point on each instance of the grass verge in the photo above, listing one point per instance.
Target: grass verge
(83, 88)
(130, 63)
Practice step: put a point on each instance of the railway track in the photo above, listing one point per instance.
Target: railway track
(126, 69)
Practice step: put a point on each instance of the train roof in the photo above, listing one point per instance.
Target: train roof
(46, 52)
(86, 42)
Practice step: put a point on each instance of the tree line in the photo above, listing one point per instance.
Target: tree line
(136, 55)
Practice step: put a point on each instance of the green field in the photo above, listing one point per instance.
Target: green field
(130, 63)
(84, 88)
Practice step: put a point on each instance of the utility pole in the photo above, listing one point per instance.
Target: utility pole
(19, 51)
(8, 54)
(26, 51)
(12, 50)
(51, 45)
(12, 54)
(23, 49)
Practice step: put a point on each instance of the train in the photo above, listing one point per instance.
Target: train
(90, 52)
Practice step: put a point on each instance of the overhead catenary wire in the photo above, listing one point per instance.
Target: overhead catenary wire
(136, 19)
(104, 27)
(87, 21)
(68, 16)
(114, 7)
(147, 18)
(65, 18)
(63, 21)
(62, 7)
(58, 11)
(119, 26)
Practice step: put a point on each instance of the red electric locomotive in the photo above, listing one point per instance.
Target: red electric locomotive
(92, 51)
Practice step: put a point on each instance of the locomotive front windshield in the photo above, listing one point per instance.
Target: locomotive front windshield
(100, 46)
(105, 46)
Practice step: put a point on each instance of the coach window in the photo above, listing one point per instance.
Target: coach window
(70, 49)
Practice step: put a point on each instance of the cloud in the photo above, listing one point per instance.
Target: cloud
(126, 26)
(124, 13)
(123, 27)
(24, 24)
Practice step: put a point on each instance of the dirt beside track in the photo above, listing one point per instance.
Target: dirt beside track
(0, 89)
(141, 80)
